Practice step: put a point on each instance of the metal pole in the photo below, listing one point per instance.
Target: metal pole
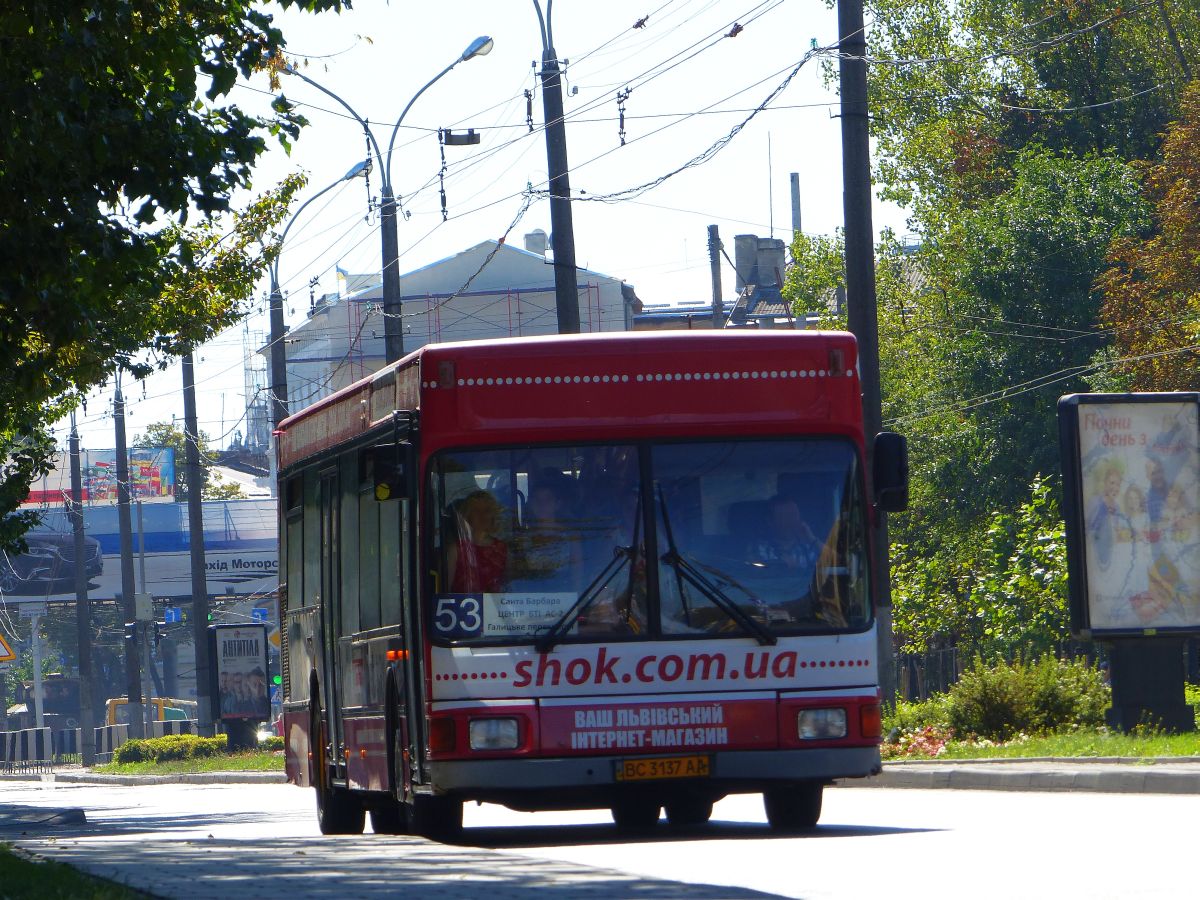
(83, 609)
(714, 264)
(133, 674)
(566, 286)
(860, 287)
(393, 324)
(196, 545)
(36, 625)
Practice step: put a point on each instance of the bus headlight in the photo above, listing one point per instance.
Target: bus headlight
(494, 734)
(821, 724)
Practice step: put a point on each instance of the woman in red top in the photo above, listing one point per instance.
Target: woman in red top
(478, 561)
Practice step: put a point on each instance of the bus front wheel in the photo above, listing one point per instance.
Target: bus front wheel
(635, 814)
(435, 817)
(338, 811)
(689, 811)
(794, 807)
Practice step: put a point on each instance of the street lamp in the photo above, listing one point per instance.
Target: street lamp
(562, 227)
(279, 400)
(392, 326)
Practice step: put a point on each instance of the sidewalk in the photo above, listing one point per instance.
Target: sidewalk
(1164, 775)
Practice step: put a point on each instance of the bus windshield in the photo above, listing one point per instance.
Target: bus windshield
(634, 541)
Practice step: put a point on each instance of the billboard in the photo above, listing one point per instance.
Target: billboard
(1131, 464)
(241, 553)
(239, 655)
(151, 477)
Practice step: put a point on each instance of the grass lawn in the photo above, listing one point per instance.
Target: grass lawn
(255, 761)
(25, 876)
(1078, 743)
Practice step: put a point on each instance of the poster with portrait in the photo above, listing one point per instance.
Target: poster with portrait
(240, 669)
(1132, 486)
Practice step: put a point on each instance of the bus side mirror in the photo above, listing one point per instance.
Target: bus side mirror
(890, 472)
(387, 472)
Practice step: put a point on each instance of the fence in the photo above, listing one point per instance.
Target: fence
(40, 749)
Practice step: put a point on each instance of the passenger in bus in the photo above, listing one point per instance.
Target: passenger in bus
(546, 551)
(478, 560)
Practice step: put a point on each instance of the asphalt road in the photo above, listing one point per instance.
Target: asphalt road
(261, 841)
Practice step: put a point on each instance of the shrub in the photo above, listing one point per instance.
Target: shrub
(908, 717)
(171, 747)
(996, 702)
(271, 744)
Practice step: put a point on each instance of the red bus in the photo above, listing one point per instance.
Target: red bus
(595, 571)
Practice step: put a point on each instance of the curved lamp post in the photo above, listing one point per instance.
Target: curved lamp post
(393, 325)
(279, 400)
(562, 227)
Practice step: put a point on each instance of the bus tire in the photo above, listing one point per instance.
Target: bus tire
(389, 817)
(635, 814)
(338, 810)
(689, 811)
(439, 818)
(794, 807)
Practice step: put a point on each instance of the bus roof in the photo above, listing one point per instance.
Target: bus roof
(597, 387)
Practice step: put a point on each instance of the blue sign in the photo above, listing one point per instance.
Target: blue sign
(172, 614)
(258, 614)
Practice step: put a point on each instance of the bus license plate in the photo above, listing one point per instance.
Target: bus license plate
(663, 767)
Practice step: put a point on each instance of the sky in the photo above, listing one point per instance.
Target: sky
(687, 88)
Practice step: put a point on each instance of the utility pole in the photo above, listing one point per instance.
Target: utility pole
(196, 544)
(795, 179)
(83, 609)
(566, 286)
(133, 673)
(860, 287)
(714, 265)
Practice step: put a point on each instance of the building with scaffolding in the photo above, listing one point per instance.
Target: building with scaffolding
(487, 291)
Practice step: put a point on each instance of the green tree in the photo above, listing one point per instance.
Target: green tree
(118, 130)
(213, 487)
(963, 84)
(1000, 322)
(1000, 595)
(1152, 286)
(817, 273)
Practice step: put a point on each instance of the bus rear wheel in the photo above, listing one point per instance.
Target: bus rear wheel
(635, 814)
(794, 807)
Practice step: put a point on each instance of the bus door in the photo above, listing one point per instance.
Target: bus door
(331, 613)
(411, 620)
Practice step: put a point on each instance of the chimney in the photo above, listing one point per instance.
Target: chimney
(770, 262)
(745, 259)
(535, 242)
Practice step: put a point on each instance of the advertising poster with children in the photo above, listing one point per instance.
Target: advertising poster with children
(1138, 470)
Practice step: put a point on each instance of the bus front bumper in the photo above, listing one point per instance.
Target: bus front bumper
(731, 772)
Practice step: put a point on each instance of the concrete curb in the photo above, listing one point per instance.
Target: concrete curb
(125, 780)
(1123, 776)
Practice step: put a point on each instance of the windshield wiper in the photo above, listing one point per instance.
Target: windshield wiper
(686, 572)
(621, 557)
